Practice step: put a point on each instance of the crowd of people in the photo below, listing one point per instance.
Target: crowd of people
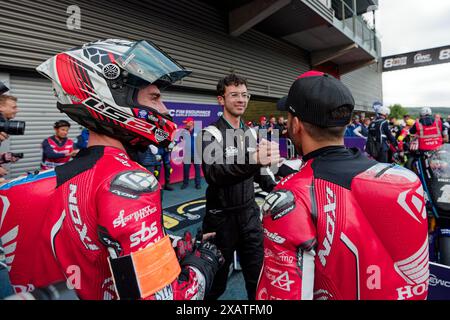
(318, 235)
(391, 140)
(275, 123)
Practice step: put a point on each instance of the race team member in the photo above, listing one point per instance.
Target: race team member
(404, 138)
(430, 131)
(231, 210)
(379, 130)
(57, 149)
(97, 220)
(344, 226)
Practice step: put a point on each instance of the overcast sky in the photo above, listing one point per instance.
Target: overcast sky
(410, 25)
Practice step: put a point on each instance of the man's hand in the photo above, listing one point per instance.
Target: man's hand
(268, 153)
(8, 157)
(3, 171)
(207, 258)
(74, 153)
(3, 136)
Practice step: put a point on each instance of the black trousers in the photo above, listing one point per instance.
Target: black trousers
(187, 168)
(241, 231)
(383, 157)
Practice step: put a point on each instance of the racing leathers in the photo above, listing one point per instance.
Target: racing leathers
(345, 227)
(231, 210)
(404, 140)
(97, 221)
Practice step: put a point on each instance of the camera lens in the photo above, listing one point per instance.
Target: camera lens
(16, 128)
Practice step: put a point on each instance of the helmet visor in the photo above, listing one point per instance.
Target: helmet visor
(149, 64)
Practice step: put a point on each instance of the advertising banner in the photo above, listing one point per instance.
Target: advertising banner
(417, 59)
(439, 288)
(204, 113)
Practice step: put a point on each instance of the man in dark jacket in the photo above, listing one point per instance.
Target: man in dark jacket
(379, 131)
(231, 166)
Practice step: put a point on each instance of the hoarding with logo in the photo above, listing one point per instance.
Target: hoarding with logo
(417, 59)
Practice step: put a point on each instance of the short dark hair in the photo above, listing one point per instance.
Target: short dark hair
(61, 123)
(321, 134)
(230, 80)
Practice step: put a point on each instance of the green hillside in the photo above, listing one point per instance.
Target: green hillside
(443, 111)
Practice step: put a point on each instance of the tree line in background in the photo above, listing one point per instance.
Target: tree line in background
(398, 111)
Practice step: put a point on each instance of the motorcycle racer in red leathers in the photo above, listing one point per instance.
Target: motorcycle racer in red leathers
(97, 220)
(343, 227)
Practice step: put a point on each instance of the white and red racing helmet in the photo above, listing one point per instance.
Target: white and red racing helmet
(97, 84)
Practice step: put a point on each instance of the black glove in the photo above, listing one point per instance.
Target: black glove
(207, 259)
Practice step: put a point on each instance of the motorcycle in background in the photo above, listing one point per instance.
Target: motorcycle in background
(433, 169)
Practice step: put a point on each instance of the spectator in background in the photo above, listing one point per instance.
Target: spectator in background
(58, 149)
(8, 106)
(189, 122)
(406, 117)
(249, 124)
(349, 132)
(281, 127)
(164, 156)
(447, 124)
(394, 126)
(263, 123)
(404, 137)
(8, 111)
(363, 130)
(379, 132)
(272, 121)
(150, 160)
(271, 126)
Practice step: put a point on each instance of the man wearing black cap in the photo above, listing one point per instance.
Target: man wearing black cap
(344, 226)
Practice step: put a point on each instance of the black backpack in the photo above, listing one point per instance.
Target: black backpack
(373, 144)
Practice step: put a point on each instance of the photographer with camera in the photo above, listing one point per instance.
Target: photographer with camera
(8, 111)
(5, 104)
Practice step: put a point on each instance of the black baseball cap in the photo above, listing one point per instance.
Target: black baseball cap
(314, 96)
(3, 88)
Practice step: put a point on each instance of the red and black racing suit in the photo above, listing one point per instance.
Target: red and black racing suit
(345, 227)
(65, 223)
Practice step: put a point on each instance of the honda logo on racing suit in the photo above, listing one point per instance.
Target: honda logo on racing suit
(415, 271)
(412, 201)
(330, 210)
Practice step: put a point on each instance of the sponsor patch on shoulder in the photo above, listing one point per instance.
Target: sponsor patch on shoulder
(132, 184)
(278, 204)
